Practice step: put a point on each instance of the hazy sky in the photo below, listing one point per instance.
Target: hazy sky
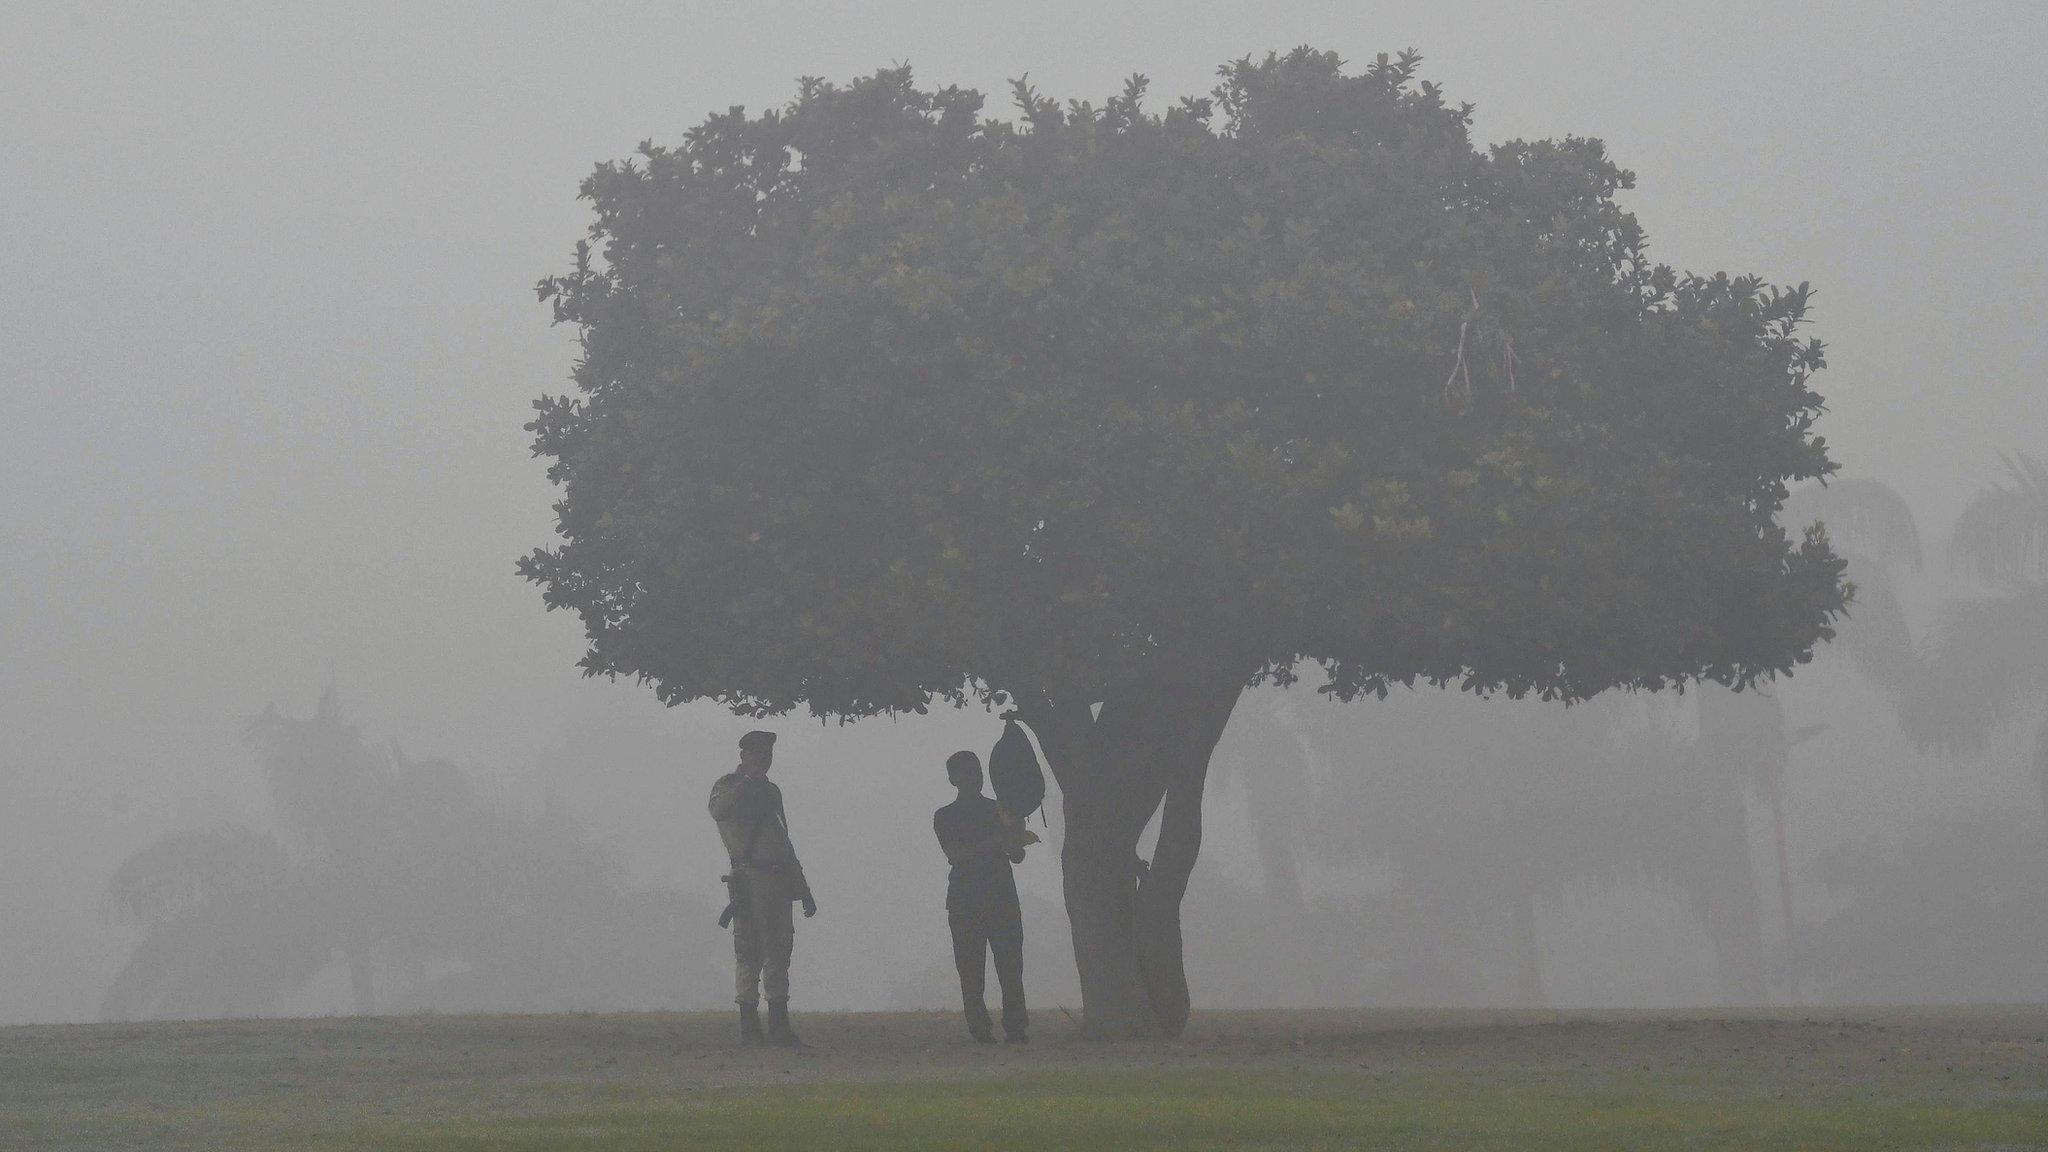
(268, 335)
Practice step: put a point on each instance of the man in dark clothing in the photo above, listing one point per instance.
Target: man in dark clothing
(981, 844)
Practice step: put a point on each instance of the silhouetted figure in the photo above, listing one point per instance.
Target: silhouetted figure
(765, 879)
(981, 898)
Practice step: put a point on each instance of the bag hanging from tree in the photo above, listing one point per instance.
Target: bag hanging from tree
(1015, 774)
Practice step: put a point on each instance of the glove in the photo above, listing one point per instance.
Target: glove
(810, 906)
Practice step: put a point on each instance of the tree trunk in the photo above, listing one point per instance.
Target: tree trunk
(1099, 873)
(1147, 748)
(1777, 798)
(1161, 958)
(1743, 737)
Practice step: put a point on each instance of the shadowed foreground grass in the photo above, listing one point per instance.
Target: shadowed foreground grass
(1244, 1080)
(1211, 1110)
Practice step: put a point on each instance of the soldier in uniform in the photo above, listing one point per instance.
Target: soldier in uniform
(765, 879)
(981, 844)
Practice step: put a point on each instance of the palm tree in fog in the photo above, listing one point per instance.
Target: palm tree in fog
(1988, 665)
(425, 892)
(1986, 662)
(1872, 527)
(1953, 907)
(230, 923)
(233, 917)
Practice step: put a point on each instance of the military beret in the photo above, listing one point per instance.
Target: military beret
(758, 738)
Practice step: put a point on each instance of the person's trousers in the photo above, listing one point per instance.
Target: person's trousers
(975, 936)
(763, 936)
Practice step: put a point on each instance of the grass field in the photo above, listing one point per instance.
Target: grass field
(1971, 1079)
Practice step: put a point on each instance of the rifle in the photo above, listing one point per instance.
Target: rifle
(735, 893)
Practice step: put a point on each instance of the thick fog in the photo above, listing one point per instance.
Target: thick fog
(268, 336)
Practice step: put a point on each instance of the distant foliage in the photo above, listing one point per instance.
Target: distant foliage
(1953, 910)
(2002, 536)
(1986, 663)
(426, 894)
(1863, 516)
(1465, 811)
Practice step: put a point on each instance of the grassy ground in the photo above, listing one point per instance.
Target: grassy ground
(1973, 1079)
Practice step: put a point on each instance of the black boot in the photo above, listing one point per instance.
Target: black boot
(978, 1025)
(750, 1024)
(778, 1025)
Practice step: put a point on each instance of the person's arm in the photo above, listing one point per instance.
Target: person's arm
(1001, 842)
(738, 797)
(952, 846)
(799, 883)
(802, 886)
(996, 845)
(962, 849)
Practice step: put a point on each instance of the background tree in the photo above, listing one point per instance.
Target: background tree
(1469, 811)
(1477, 816)
(428, 894)
(1987, 666)
(1872, 528)
(1953, 908)
(1107, 414)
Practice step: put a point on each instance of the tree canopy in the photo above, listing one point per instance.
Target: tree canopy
(882, 401)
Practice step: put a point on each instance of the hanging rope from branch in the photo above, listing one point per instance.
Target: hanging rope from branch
(1458, 385)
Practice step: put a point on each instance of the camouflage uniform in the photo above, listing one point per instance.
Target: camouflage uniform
(750, 819)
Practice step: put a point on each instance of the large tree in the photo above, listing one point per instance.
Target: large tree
(1104, 415)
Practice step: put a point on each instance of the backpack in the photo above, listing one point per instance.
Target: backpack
(1015, 774)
